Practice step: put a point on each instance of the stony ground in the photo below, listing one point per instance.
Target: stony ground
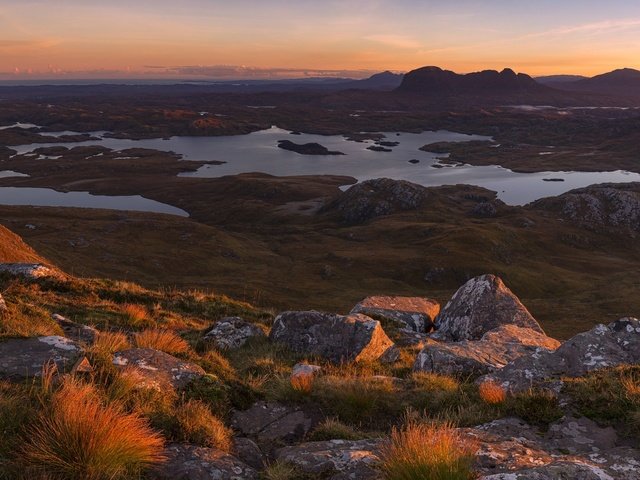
(228, 391)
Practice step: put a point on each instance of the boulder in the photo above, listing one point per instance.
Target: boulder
(493, 351)
(188, 462)
(602, 346)
(305, 370)
(480, 305)
(374, 198)
(273, 423)
(22, 358)
(248, 451)
(76, 331)
(415, 313)
(232, 332)
(335, 459)
(337, 338)
(156, 369)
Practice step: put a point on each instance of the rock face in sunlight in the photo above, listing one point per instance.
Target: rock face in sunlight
(375, 198)
(337, 338)
(415, 313)
(480, 305)
(601, 347)
(494, 350)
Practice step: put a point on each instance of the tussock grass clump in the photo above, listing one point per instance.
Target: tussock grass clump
(428, 451)
(217, 364)
(536, 407)
(164, 340)
(302, 383)
(16, 410)
(26, 320)
(107, 343)
(610, 396)
(492, 393)
(281, 471)
(79, 438)
(334, 429)
(196, 424)
(135, 315)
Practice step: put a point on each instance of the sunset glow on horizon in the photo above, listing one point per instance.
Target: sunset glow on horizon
(286, 38)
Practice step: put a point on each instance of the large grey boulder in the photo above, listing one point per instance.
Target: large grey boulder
(415, 313)
(157, 370)
(336, 459)
(493, 351)
(335, 337)
(603, 346)
(480, 305)
(22, 358)
(188, 462)
(232, 332)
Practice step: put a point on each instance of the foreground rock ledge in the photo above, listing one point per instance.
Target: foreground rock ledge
(480, 305)
(22, 358)
(335, 337)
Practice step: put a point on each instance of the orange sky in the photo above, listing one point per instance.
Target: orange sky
(74, 38)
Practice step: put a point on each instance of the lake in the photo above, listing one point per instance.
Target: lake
(258, 152)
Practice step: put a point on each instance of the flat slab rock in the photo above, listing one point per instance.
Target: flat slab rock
(189, 462)
(22, 358)
(493, 351)
(344, 458)
(31, 271)
(480, 305)
(335, 337)
(572, 449)
(157, 369)
(76, 331)
(232, 332)
(269, 422)
(416, 313)
(601, 347)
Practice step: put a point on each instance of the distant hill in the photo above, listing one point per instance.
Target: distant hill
(380, 81)
(558, 80)
(436, 81)
(13, 249)
(624, 82)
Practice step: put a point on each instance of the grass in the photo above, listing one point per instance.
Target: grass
(196, 424)
(427, 451)
(164, 340)
(609, 396)
(333, 429)
(302, 383)
(492, 393)
(107, 343)
(536, 407)
(136, 315)
(78, 437)
(26, 319)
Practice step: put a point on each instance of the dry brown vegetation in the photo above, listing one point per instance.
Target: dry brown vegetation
(164, 340)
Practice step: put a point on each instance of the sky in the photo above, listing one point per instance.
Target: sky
(227, 39)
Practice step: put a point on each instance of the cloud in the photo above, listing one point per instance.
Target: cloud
(396, 41)
(243, 72)
(593, 28)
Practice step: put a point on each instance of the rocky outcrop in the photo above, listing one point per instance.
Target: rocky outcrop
(494, 350)
(156, 369)
(335, 337)
(273, 423)
(335, 459)
(22, 358)
(480, 305)
(30, 271)
(188, 462)
(598, 207)
(602, 346)
(509, 449)
(415, 313)
(375, 198)
(232, 332)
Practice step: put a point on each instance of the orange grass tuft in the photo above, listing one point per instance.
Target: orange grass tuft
(164, 340)
(492, 393)
(79, 438)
